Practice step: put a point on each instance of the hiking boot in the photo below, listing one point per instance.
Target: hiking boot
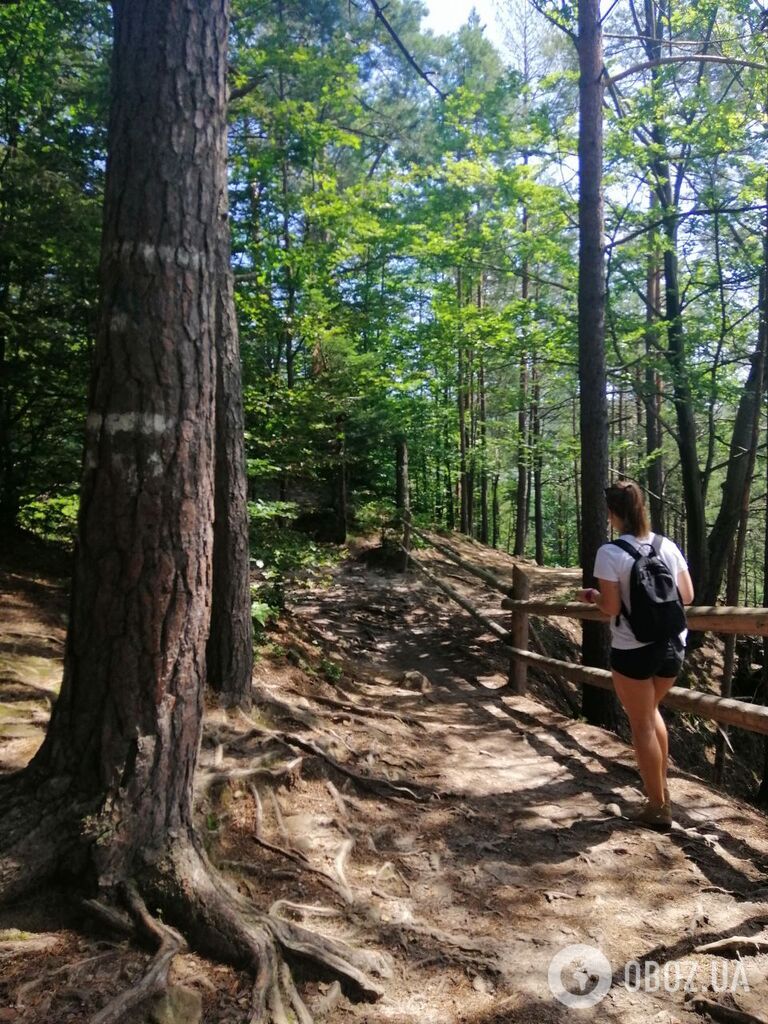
(655, 815)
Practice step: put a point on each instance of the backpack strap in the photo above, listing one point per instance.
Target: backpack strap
(626, 546)
(630, 549)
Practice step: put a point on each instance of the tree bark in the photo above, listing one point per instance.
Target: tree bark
(465, 507)
(523, 468)
(693, 484)
(230, 643)
(125, 731)
(538, 510)
(598, 707)
(652, 392)
(495, 510)
(484, 531)
(403, 493)
(743, 448)
(108, 797)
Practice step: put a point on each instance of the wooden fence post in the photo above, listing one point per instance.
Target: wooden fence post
(518, 670)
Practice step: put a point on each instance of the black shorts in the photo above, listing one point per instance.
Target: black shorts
(664, 659)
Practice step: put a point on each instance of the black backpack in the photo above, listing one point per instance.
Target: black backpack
(657, 610)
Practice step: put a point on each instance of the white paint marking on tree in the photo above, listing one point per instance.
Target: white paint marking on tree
(181, 256)
(130, 423)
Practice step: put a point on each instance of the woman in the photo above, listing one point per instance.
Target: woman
(642, 672)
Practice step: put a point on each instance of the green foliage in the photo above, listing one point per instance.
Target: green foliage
(281, 555)
(396, 254)
(52, 518)
(331, 670)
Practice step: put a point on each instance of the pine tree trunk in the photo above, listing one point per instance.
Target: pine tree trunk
(230, 643)
(762, 795)
(125, 731)
(461, 398)
(495, 510)
(693, 484)
(484, 533)
(9, 491)
(523, 467)
(403, 492)
(538, 511)
(741, 461)
(597, 705)
(652, 391)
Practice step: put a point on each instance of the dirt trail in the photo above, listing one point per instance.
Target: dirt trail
(507, 848)
(523, 852)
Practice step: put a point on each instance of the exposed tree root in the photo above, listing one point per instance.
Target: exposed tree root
(303, 1016)
(155, 978)
(362, 712)
(303, 908)
(220, 922)
(736, 945)
(382, 787)
(210, 914)
(462, 948)
(286, 775)
(725, 1013)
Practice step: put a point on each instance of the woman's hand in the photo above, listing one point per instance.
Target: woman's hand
(590, 595)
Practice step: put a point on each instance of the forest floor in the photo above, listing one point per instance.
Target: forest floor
(467, 834)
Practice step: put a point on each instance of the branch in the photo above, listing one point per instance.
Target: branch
(404, 49)
(702, 211)
(708, 58)
(249, 86)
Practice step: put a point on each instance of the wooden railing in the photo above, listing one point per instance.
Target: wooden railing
(727, 711)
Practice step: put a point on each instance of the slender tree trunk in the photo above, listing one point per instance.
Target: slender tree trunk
(693, 483)
(732, 598)
(652, 391)
(743, 447)
(597, 705)
(470, 423)
(538, 511)
(9, 489)
(576, 488)
(762, 793)
(461, 398)
(403, 492)
(495, 510)
(230, 643)
(339, 492)
(450, 505)
(483, 449)
(523, 464)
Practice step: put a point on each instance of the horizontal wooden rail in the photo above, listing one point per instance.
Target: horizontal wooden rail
(715, 619)
(493, 581)
(752, 717)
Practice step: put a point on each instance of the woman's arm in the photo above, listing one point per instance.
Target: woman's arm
(685, 586)
(607, 598)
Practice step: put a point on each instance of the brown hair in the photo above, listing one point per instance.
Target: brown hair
(625, 499)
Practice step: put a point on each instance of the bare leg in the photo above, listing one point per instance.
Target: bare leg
(661, 686)
(638, 697)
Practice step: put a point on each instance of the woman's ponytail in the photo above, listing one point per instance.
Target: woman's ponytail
(625, 500)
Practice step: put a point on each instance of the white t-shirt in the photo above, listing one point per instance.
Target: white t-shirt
(615, 565)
